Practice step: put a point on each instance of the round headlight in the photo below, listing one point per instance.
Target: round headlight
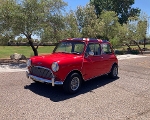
(55, 66)
(28, 62)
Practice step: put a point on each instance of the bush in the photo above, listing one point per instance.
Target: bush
(135, 52)
(119, 52)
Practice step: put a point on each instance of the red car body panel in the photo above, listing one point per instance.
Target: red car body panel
(67, 63)
(89, 67)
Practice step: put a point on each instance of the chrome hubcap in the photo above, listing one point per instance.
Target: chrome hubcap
(75, 82)
(115, 71)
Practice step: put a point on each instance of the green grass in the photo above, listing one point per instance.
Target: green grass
(6, 51)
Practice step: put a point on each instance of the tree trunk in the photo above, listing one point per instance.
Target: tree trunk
(32, 46)
(144, 43)
(129, 48)
(138, 46)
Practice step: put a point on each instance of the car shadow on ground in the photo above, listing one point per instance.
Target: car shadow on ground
(57, 93)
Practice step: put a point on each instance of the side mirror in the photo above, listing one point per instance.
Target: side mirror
(91, 53)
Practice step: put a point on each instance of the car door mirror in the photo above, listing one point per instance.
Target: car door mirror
(91, 53)
(87, 54)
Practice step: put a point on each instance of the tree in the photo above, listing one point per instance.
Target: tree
(135, 30)
(141, 30)
(121, 36)
(71, 26)
(79, 13)
(19, 39)
(87, 22)
(142, 26)
(123, 8)
(53, 28)
(111, 25)
(27, 17)
(5, 39)
(104, 27)
(92, 26)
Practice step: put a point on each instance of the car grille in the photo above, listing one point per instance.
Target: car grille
(41, 72)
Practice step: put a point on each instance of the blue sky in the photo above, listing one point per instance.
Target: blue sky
(144, 5)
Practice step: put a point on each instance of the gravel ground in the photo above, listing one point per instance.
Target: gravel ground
(126, 98)
(8, 65)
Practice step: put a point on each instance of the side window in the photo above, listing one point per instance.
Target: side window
(106, 49)
(79, 47)
(93, 47)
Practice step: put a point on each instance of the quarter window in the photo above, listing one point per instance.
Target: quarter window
(106, 49)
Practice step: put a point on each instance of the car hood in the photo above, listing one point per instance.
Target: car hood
(61, 58)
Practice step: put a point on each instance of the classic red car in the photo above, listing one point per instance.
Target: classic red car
(74, 60)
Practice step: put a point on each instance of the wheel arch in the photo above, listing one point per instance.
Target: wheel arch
(114, 71)
(115, 63)
(74, 71)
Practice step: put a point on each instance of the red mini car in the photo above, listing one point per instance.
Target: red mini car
(73, 61)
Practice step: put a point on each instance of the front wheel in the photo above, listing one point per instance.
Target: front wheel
(73, 83)
(114, 71)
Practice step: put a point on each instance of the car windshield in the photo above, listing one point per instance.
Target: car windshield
(74, 47)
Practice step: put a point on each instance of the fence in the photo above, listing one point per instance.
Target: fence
(27, 44)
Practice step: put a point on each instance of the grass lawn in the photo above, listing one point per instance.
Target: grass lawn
(6, 51)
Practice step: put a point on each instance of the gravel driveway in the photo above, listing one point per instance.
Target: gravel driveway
(126, 98)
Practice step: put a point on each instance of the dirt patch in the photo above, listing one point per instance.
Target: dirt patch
(9, 61)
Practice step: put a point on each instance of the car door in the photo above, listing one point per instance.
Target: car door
(108, 56)
(93, 64)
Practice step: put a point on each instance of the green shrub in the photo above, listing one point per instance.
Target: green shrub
(135, 52)
(119, 52)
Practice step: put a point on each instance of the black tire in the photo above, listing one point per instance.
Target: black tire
(72, 83)
(114, 71)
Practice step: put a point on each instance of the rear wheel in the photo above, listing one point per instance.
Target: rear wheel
(73, 83)
(114, 71)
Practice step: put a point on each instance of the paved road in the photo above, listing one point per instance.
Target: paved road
(126, 98)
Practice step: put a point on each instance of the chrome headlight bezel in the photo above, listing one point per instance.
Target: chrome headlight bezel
(28, 63)
(55, 66)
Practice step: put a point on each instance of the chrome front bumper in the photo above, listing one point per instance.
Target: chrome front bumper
(38, 79)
